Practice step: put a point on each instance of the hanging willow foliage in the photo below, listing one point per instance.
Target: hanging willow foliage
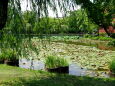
(12, 36)
(94, 8)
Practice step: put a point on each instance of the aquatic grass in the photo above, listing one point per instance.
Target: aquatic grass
(55, 61)
(62, 62)
(112, 66)
(50, 61)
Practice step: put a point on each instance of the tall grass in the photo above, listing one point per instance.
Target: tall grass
(55, 61)
(112, 66)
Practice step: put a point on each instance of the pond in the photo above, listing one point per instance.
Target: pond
(86, 59)
(74, 69)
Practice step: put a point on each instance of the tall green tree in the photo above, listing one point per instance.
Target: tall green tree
(78, 22)
(99, 11)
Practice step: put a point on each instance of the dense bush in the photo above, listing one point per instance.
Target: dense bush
(55, 61)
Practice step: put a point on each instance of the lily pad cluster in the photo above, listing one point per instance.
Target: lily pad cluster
(85, 56)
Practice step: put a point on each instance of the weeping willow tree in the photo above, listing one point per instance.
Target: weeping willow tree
(11, 10)
(12, 22)
(39, 6)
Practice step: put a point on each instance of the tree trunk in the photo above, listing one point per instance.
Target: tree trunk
(3, 13)
(108, 33)
(105, 28)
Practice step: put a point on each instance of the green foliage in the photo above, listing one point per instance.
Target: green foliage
(112, 66)
(78, 22)
(47, 25)
(99, 12)
(105, 38)
(112, 43)
(8, 54)
(28, 23)
(54, 62)
(87, 36)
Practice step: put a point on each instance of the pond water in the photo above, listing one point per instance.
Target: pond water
(31, 64)
(74, 69)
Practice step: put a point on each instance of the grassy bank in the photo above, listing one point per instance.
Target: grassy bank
(13, 76)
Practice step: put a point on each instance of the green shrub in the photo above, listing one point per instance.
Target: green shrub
(55, 61)
(87, 36)
(8, 54)
(112, 66)
(105, 38)
(112, 43)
